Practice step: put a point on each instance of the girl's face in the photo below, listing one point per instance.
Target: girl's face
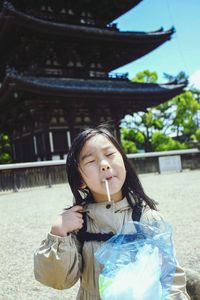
(100, 160)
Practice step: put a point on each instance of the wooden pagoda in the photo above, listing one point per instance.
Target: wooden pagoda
(55, 61)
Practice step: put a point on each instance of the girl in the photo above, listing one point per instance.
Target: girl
(67, 254)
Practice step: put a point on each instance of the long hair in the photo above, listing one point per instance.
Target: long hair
(132, 185)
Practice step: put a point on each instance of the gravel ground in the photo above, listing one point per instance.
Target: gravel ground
(26, 217)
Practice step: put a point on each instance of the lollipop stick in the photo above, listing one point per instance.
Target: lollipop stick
(107, 190)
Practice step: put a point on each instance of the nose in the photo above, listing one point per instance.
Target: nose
(105, 165)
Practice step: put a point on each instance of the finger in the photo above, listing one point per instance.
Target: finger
(67, 207)
(77, 208)
(80, 225)
(81, 221)
(78, 215)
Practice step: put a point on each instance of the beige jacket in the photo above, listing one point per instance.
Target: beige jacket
(59, 264)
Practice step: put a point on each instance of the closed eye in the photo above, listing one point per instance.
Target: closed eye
(89, 162)
(110, 154)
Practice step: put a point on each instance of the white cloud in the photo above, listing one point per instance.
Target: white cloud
(194, 80)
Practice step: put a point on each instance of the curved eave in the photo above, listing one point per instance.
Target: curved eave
(128, 45)
(107, 90)
(105, 10)
(115, 10)
(82, 32)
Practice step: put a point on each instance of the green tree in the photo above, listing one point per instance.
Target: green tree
(5, 149)
(196, 137)
(142, 124)
(196, 94)
(177, 117)
(185, 121)
(146, 76)
(127, 137)
(162, 142)
(180, 116)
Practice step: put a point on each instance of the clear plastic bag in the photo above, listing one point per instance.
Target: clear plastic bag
(139, 263)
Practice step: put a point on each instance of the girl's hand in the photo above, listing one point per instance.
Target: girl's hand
(69, 220)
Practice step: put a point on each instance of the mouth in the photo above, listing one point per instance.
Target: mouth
(108, 178)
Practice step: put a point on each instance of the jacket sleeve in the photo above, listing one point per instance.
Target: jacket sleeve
(58, 262)
(178, 290)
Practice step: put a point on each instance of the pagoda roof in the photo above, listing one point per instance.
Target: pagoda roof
(140, 95)
(128, 45)
(11, 17)
(106, 10)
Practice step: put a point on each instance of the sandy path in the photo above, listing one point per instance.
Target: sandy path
(26, 216)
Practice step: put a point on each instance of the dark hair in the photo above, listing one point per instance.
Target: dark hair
(132, 185)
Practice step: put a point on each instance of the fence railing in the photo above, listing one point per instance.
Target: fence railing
(46, 173)
(158, 162)
(27, 175)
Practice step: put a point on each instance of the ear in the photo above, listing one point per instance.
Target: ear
(83, 185)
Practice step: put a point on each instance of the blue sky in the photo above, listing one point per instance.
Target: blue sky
(182, 52)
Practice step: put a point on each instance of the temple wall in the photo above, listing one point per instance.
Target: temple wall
(48, 173)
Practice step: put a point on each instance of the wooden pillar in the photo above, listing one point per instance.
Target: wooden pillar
(116, 116)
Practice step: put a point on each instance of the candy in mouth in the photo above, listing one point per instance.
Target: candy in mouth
(107, 189)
